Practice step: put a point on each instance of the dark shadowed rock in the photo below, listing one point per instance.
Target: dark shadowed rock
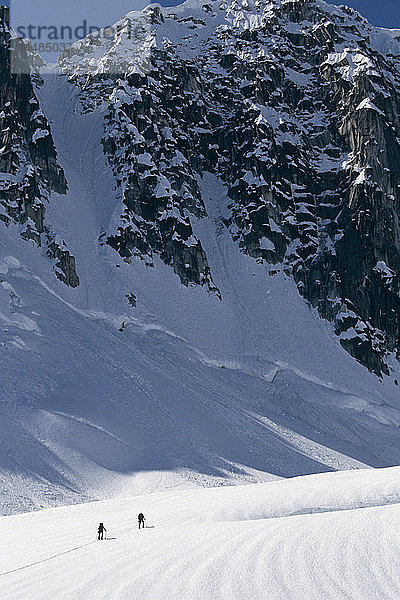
(29, 170)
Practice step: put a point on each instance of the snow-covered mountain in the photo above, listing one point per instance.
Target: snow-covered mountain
(294, 106)
(199, 259)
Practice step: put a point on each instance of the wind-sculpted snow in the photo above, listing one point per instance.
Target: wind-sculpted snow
(328, 536)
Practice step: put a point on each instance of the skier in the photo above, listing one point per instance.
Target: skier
(100, 531)
(141, 519)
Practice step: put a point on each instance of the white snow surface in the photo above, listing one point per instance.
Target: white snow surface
(328, 536)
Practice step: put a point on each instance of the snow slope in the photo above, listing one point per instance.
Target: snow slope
(330, 536)
(193, 390)
(99, 398)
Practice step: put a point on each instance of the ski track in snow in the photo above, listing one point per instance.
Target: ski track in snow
(330, 536)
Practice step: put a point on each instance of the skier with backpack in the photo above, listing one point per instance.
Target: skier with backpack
(100, 531)
(141, 519)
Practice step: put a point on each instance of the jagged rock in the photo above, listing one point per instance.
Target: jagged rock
(29, 170)
(65, 266)
(131, 299)
(294, 105)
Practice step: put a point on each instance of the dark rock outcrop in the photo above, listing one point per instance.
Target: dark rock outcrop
(29, 170)
(295, 106)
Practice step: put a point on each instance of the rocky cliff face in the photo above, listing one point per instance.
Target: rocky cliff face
(29, 170)
(294, 106)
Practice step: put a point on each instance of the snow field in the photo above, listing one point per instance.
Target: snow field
(242, 542)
